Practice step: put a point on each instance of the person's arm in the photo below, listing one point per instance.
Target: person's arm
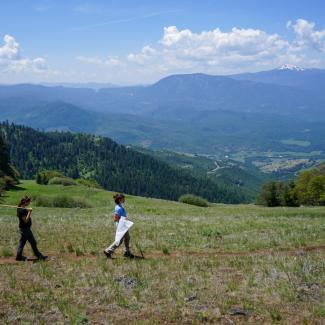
(29, 214)
(116, 217)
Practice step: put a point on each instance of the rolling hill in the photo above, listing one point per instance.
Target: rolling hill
(226, 171)
(114, 166)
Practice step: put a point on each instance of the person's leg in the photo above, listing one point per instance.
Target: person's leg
(31, 239)
(127, 252)
(111, 249)
(127, 241)
(21, 245)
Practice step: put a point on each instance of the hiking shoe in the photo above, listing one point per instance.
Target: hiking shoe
(108, 254)
(42, 258)
(128, 255)
(21, 258)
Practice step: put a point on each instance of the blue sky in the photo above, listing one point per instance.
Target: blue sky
(133, 42)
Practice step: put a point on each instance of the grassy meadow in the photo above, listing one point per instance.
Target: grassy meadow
(225, 264)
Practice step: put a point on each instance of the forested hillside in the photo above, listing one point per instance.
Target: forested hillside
(226, 171)
(8, 174)
(114, 166)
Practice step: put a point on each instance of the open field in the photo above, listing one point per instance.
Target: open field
(200, 264)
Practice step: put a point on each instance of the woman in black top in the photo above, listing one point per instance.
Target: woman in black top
(25, 223)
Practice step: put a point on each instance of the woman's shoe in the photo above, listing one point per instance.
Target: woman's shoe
(108, 255)
(21, 258)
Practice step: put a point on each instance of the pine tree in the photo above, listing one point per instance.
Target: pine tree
(8, 176)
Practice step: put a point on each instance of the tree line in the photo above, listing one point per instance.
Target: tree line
(8, 174)
(307, 189)
(115, 167)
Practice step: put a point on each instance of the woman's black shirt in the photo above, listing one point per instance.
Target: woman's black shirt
(21, 213)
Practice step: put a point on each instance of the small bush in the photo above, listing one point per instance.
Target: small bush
(44, 176)
(66, 181)
(88, 182)
(193, 200)
(62, 201)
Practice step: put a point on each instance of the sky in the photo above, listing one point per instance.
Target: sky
(128, 42)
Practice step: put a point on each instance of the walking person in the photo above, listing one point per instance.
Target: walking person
(119, 213)
(25, 222)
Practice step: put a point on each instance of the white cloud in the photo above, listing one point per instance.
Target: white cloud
(224, 52)
(221, 52)
(10, 49)
(145, 54)
(214, 49)
(109, 61)
(37, 65)
(12, 61)
(210, 44)
(307, 36)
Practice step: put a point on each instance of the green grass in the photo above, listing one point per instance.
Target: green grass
(223, 256)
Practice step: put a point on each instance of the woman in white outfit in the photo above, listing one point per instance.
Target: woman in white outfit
(119, 213)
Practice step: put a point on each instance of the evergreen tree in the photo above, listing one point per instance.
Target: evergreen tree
(4, 157)
(8, 175)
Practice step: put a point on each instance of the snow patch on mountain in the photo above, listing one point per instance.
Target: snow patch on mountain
(290, 67)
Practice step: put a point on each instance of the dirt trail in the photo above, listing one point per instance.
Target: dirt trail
(177, 254)
(260, 252)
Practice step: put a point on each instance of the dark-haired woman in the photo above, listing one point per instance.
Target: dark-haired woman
(25, 222)
(118, 214)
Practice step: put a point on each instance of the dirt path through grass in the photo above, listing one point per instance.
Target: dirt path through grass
(178, 254)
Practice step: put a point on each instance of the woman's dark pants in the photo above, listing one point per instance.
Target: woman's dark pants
(27, 235)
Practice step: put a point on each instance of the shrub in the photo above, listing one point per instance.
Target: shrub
(273, 194)
(193, 200)
(42, 201)
(62, 201)
(66, 181)
(307, 189)
(44, 176)
(88, 182)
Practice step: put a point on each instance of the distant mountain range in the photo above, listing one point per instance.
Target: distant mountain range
(312, 80)
(280, 91)
(277, 110)
(91, 85)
